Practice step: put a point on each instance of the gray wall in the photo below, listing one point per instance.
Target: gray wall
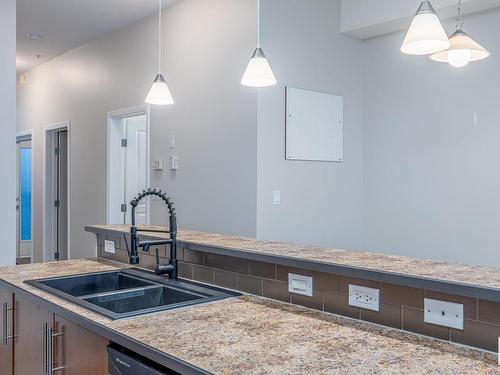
(8, 126)
(321, 203)
(207, 48)
(432, 187)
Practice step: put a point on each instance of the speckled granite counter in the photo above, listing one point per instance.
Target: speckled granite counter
(251, 335)
(475, 276)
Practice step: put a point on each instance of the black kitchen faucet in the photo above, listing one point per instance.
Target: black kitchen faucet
(160, 269)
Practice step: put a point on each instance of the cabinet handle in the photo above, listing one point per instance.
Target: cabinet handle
(48, 355)
(5, 324)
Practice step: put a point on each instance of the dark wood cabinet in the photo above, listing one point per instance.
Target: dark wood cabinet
(78, 351)
(35, 341)
(30, 323)
(7, 332)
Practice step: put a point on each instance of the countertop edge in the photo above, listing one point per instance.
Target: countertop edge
(147, 351)
(444, 286)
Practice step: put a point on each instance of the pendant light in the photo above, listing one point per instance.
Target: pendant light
(258, 72)
(159, 93)
(463, 48)
(426, 34)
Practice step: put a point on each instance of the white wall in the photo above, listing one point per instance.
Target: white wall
(8, 121)
(207, 45)
(432, 187)
(321, 203)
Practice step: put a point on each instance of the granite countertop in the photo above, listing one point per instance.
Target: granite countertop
(253, 335)
(486, 277)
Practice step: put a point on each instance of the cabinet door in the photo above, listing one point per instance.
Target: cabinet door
(30, 322)
(78, 351)
(7, 329)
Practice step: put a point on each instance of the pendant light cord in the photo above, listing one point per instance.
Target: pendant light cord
(159, 36)
(460, 20)
(258, 23)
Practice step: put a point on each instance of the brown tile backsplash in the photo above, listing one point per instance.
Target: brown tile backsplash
(262, 269)
(401, 307)
(276, 290)
(402, 295)
(315, 302)
(389, 315)
(478, 334)
(489, 311)
(250, 284)
(413, 321)
(339, 304)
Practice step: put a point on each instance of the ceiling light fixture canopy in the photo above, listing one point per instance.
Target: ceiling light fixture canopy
(426, 35)
(258, 72)
(159, 93)
(463, 48)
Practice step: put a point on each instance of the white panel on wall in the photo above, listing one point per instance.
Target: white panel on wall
(314, 125)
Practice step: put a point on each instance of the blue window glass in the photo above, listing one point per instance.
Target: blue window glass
(25, 192)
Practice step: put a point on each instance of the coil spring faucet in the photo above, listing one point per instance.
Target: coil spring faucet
(160, 269)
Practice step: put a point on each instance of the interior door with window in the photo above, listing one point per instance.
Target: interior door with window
(23, 200)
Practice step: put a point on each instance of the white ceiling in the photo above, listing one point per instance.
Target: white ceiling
(67, 24)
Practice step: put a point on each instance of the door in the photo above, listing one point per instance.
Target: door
(128, 169)
(23, 200)
(78, 351)
(135, 165)
(60, 192)
(6, 344)
(30, 342)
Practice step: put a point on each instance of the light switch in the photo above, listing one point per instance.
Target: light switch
(158, 165)
(109, 246)
(300, 284)
(276, 197)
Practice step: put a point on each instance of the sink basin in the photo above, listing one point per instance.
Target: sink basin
(142, 299)
(129, 292)
(95, 283)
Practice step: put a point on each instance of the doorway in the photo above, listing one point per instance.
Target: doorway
(56, 192)
(128, 164)
(24, 208)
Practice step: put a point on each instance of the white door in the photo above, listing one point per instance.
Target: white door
(135, 165)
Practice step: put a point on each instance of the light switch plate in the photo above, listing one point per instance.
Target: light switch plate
(443, 313)
(300, 284)
(276, 197)
(364, 297)
(158, 165)
(109, 246)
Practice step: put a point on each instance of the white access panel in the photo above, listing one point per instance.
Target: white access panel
(314, 126)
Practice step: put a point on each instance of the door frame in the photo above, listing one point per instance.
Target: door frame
(119, 114)
(21, 134)
(48, 230)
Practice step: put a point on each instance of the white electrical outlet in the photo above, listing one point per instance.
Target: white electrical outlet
(109, 247)
(300, 284)
(364, 297)
(442, 313)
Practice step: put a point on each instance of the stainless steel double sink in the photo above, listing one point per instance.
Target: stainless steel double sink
(129, 292)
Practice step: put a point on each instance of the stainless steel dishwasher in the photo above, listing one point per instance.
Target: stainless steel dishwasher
(124, 362)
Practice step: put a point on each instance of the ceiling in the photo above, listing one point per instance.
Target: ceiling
(66, 24)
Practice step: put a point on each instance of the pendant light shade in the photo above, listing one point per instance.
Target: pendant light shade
(159, 93)
(426, 34)
(463, 50)
(258, 72)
